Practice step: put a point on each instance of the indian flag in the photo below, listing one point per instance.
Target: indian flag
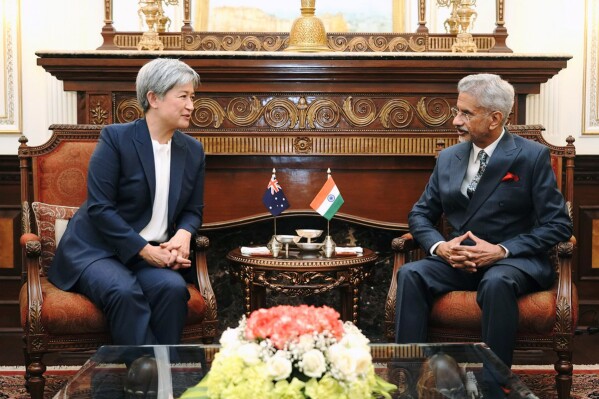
(328, 200)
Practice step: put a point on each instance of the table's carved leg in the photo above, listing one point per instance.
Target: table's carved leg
(258, 293)
(355, 304)
(356, 276)
(346, 297)
(246, 276)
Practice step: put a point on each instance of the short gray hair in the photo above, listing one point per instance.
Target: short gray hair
(492, 92)
(160, 75)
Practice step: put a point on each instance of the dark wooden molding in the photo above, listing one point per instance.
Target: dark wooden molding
(104, 81)
(9, 169)
(89, 70)
(587, 169)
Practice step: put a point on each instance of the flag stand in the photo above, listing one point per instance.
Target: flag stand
(327, 203)
(275, 203)
(329, 244)
(274, 245)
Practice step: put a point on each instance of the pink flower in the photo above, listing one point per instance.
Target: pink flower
(285, 324)
(509, 176)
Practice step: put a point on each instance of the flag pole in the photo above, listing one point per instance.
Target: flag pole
(329, 244)
(274, 171)
(274, 245)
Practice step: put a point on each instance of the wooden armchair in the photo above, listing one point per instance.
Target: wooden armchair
(54, 320)
(547, 318)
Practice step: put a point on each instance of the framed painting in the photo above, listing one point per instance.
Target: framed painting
(377, 16)
(263, 25)
(590, 99)
(588, 248)
(10, 68)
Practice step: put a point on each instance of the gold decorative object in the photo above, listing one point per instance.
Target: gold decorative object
(157, 22)
(307, 32)
(459, 23)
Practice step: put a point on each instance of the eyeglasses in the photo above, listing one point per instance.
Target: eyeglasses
(467, 115)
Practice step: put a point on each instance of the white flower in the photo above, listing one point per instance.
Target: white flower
(353, 337)
(313, 363)
(250, 353)
(342, 362)
(279, 366)
(363, 359)
(230, 338)
(305, 343)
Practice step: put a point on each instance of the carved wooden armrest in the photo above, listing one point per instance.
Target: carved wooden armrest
(405, 248)
(565, 323)
(32, 247)
(404, 244)
(201, 244)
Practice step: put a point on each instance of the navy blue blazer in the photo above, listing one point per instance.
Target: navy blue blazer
(120, 193)
(527, 216)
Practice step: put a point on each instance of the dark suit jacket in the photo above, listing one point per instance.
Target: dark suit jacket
(121, 187)
(527, 216)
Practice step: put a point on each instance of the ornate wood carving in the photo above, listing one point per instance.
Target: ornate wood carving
(300, 283)
(99, 108)
(563, 325)
(306, 112)
(279, 41)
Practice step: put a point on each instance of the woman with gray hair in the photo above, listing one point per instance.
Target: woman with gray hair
(127, 247)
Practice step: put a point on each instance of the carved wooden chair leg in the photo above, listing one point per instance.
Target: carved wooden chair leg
(27, 363)
(563, 378)
(36, 382)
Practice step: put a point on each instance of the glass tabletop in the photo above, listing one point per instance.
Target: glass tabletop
(452, 371)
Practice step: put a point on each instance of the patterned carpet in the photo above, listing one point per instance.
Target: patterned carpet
(540, 381)
(585, 382)
(12, 383)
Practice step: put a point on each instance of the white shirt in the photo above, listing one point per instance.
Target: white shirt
(156, 229)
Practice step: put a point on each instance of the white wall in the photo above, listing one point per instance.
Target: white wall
(534, 26)
(75, 25)
(554, 26)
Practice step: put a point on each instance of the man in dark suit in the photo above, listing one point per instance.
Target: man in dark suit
(504, 209)
(126, 246)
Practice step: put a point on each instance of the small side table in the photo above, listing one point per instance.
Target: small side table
(302, 274)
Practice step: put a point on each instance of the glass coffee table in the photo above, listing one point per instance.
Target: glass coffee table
(454, 371)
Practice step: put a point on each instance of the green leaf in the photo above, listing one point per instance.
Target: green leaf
(196, 392)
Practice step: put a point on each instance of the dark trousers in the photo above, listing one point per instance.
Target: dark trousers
(498, 288)
(144, 305)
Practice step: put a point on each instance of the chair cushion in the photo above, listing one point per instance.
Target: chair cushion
(458, 310)
(46, 216)
(72, 313)
(65, 312)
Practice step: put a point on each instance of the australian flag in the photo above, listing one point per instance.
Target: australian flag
(274, 200)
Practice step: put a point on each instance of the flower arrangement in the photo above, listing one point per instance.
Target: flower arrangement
(292, 352)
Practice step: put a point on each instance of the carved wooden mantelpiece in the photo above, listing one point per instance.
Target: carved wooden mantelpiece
(303, 92)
